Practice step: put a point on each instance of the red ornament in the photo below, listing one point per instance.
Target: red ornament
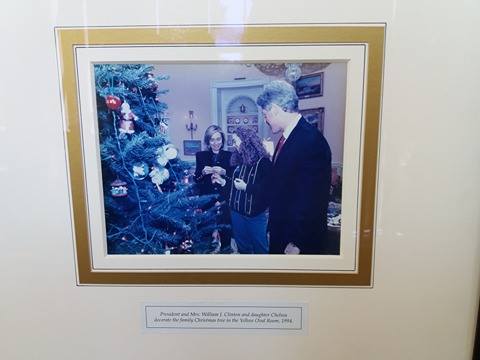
(113, 102)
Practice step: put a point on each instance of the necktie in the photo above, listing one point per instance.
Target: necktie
(280, 143)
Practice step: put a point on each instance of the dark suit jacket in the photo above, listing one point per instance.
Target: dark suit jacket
(300, 192)
(207, 158)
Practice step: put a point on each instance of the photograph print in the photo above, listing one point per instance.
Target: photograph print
(217, 158)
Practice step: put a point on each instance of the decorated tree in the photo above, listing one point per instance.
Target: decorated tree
(150, 203)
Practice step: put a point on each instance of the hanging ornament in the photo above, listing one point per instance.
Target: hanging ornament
(166, 153)
(140, 171)
(168, 250)
(186, 177)
(216, 241)
(113, 102)
(119, 188)
(186, 245)
(159, 176)
(126, 127)
(170, 151)
(161, 156)
(153, 85)
(293, 72)
(162, 128)
(127, 113)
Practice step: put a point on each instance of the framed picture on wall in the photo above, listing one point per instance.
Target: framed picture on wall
(315, 116)
(191, 147)
(139, 215)
(309, 86)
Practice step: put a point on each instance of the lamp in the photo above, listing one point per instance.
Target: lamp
(191, 127)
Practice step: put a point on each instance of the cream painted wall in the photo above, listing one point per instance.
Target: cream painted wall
(189, 89)
(426, 275)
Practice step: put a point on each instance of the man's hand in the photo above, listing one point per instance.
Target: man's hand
(292, 249)
(240, 184)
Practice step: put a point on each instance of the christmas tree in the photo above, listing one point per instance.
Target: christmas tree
(150, 202)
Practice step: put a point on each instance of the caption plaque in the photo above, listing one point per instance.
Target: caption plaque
(193, 317)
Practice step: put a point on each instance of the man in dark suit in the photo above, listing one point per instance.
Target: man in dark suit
(301, 175)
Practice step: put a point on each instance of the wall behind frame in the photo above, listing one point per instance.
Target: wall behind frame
(424, 301)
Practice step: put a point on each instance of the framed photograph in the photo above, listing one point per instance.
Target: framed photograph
(145, 214)
(191, 147)
(315, 116)
(310, 86)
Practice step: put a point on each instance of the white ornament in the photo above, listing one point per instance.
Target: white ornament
(127, 113)
(162, 160)
(161, 157)
(159, 176)
(293, 72)
(125, 108)
(165, 173)
(140, 171)
(170, 151)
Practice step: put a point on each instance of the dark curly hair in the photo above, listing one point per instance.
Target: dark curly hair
(251, 149)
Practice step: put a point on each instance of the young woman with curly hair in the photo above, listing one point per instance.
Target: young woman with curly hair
(246, 192)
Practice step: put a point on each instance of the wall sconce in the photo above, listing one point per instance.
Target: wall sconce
(191, 127)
